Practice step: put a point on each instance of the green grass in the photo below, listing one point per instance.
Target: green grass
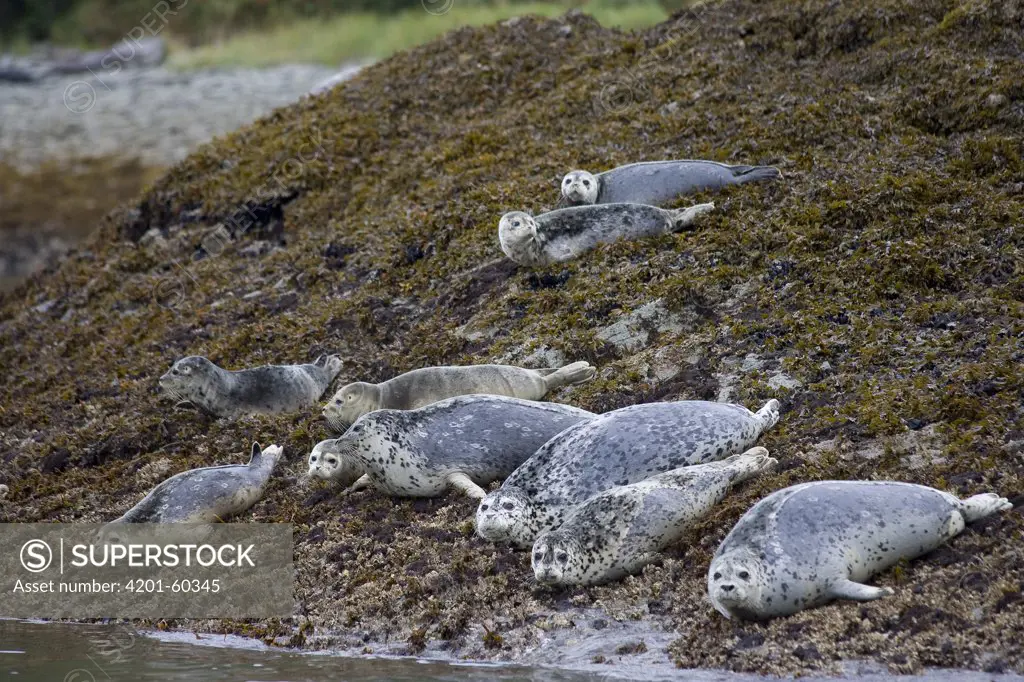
(368, 36)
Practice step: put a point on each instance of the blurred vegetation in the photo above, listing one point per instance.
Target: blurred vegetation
(375, 35)
(194, 22)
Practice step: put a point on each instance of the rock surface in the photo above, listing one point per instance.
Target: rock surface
(891, 252)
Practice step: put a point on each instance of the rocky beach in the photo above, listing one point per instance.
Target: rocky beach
(877, 292)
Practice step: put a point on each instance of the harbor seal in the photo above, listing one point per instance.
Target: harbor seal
(806, 545)
(564, 234)
(657, 182)
(462, 443)
(208, 494)
(422, 387)
(270, 389)
(617, 448)
(617, 532)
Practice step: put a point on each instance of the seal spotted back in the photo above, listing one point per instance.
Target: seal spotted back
(462, 442)
(270, 389)
(422, 387)
(566, 233)
(657, 182)
(617, 448)
(618, 531)
(808, 544)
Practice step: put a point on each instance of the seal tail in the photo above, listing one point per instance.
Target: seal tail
(570, 375)
(745, 174)
(980, 506)
(769, 414)
(683, 218)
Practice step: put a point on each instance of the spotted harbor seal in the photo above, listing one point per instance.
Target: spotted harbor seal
(566, 233)
(327, 461)
(430, 384)
(619, 531)
(462, 443)
(270, 389)
(617, 448)
(657, 182)
(806, 545)
(208, 494)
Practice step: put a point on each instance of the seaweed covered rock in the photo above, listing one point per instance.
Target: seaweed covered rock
(882, 281)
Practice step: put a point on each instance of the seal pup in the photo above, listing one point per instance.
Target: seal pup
(564, 234)
(270, 389)
(208, 494)
(422, 387)
(462, 443)
(617, 448)
(657, 182)
(617, 532)
(808, 544)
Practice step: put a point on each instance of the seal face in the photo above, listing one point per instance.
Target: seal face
(270, 389)
(327, 461)
(208, 494)
(422, 387)
(618, 531)
(462, 442)
(657, 182)
(564, 234)
(617, 448)
(808, 544)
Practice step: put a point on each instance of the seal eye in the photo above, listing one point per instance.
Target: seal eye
(508, 506)
(313, 458)
(516, 223)
(744, 575)
(568, 181)
(718, 576)
(337, 401)
(562, 557)
(332, 460)
(350, 397)
(538, 556)
(483, 507)
(586, 183)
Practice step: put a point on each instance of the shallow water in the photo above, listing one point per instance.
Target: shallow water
(58, 652)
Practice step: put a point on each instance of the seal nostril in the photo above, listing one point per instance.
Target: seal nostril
(728, 588)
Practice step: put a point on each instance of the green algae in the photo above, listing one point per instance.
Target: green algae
(884, 274)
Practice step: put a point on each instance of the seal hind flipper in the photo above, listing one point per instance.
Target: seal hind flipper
(683, 218)
(980, 506)
(848, 589)
(756, 173)
(570, 375)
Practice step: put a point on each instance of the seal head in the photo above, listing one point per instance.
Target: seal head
(508, 515)
(330, 460)
(193, 379)
(350, 403)
(734, 585)
(554, 556)
(580, 187)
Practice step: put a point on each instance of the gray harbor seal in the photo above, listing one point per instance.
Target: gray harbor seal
(270, 389)
(657, 182)
(617, 448)
(617, 532)
(422, 387)
(808, 544)
(564, 234)
(462, 443)
(208, 494)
